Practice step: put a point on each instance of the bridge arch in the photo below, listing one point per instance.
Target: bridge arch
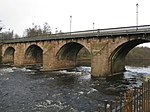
(117, 58)
(8, 56)
(33, 55)
(69, 51)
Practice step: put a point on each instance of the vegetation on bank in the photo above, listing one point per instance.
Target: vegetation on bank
(138, 56)
(139, 53)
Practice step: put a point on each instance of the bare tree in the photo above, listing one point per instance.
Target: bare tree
(46, 28)
(16, 36)
(37, 30)
(6, 35)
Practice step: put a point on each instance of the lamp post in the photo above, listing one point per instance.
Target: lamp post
(93, 26)
(70, 23)
(0, 26)
(56, 30)
(137, 15)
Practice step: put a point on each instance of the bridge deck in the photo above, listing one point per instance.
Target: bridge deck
(144, 29)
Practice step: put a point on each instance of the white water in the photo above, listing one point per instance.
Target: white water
(6, 70)
(83, 69)
(143, 70)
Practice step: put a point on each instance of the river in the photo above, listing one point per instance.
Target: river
(25, 90)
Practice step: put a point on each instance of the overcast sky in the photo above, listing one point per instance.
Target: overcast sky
(20, 14)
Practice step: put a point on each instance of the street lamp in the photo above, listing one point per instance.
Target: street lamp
(0, 26)
(137, 15)
(70, 23)
(56, 30)
(93, 25)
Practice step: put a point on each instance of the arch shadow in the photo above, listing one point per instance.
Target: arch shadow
(68, 53)
(33, 55)
(117, 58)
(8, 57)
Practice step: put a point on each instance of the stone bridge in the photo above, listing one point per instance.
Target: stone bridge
(107, 47)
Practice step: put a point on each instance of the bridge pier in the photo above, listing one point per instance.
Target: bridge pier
(99, 59)
(54, 64)
(108, 56)
(19, 55)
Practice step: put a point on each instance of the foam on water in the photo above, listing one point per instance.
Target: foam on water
(21, 69)
(70, 72)
(81, 92)
(51, 104)
(92, 90)
(86, 72)
(6, 70)
(84, 69)
(136, 75)
(143, 70)
(85, 77)
(24, 69)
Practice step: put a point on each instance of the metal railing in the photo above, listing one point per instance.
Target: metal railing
(84, 34)
(136, 100)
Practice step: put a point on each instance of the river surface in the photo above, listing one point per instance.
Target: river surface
(25, 90)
